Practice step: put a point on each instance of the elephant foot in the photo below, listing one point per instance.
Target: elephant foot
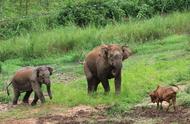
(33, 103)
(14, 103)
(106, 93)
(25, 102)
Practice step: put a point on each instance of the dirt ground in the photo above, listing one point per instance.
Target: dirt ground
(142, 113)
(64, 77)
(152, 115)
(77, 115)
(4, 107)
(86, 114)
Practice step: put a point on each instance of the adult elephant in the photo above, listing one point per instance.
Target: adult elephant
(105, 62)
(30, 79)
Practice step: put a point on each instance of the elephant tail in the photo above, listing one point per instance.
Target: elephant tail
(7, 88)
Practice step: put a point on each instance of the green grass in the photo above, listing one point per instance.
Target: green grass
(73, 42)
(141, 74)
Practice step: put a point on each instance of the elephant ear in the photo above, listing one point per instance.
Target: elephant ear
(50, 70)
(126, 51)
(38, 69)
(104, 51)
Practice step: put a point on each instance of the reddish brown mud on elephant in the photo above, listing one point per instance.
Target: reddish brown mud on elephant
(105, 62)
(30, 79)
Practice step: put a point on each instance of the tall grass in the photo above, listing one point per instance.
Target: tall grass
(64, 39)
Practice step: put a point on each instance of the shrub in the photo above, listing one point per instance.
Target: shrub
(92, 12)
(165, 6)
(145, 11)
(130, 8)
(0, 66)
(16, 27)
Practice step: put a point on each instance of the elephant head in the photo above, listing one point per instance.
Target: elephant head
(114, 55)
(43, 76)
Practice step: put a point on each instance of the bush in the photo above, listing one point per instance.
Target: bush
(130, 8)
(0, 66)
(16, 27)
(145, 11)
(92, 12)
(165, 6)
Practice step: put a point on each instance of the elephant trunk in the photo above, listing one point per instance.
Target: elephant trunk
(117, 68)
(49, 90)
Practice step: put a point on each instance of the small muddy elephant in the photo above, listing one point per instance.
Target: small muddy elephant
(105, 62)
(30, 79)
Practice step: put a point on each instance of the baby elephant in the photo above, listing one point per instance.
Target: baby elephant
(30, 79)
(164, 94)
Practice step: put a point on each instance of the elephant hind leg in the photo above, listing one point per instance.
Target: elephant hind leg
(92, 85)
(35, 100)
(89, 78)
(26, 97)
(16, 96)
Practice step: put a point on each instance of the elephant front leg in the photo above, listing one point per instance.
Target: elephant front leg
(37, 89)
(106, 85)
(26, 97)
(118, 84)
(35, 100)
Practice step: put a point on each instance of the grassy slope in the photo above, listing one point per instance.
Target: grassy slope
(163, 62)
(68, 41)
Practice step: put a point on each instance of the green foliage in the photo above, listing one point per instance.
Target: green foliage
(165, 6)
(17, 27)
(41, 16)
(130, 7)
(92, 12)
(0, 66)
(102, 12)
(145, 11)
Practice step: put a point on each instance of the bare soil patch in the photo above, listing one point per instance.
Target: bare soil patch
(64, 77)
(21, 121)
(181, 116)
(81, 115)
(77, 115)
(4, 107)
